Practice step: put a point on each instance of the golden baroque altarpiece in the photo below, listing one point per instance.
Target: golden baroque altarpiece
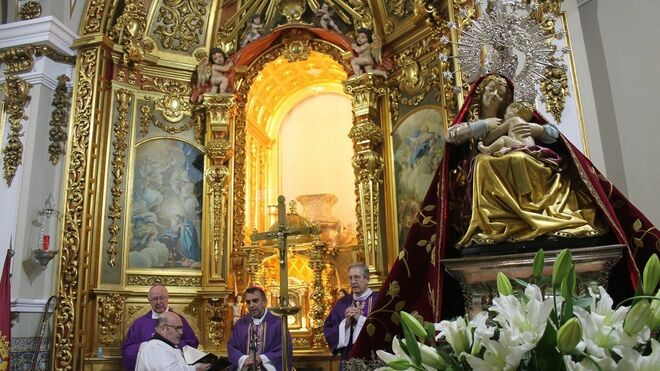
(135, 74)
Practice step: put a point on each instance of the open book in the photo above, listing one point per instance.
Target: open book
(193, 356)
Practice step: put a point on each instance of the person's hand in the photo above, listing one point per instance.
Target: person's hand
(202, 366)
(251, 360)
(492, 123)
(351, 314)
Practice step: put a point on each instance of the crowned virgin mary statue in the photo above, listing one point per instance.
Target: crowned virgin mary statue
(509, 182)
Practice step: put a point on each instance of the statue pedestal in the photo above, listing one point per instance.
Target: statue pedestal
(477, 275)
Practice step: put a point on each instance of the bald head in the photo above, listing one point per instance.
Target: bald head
(159, 298)
(170, 327)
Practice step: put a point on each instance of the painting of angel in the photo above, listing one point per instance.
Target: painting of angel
(166, 206)
(418, 148)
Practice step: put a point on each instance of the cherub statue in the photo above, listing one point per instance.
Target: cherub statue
(326, 12)
(254, 30)
(211, 74)
(516, 121)
(368, 51)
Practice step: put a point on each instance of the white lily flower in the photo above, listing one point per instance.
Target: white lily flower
(604, 364)
(633, 360)
(526, 320)
(504, 354)
(456, 334)
(482, 332)
(602, 329)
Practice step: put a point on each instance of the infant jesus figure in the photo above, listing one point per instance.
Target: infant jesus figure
(517, 126)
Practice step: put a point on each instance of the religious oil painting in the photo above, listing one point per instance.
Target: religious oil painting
(418, 148)
(166, 206)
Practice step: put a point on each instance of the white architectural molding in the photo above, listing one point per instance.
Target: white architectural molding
(582, 2)
(27, 305)
(46, 30)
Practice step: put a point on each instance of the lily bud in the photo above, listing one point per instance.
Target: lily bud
(430, 357)
(651, 275)
(503, 284)
(561, 268)
(654, 320)
(412, 324)
(569, 335)
(637, 317)
(399, 364)
(568, 284)
(537, 267)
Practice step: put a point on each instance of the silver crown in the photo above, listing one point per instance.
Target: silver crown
(507, 40)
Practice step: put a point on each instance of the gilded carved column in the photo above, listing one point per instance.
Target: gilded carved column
(254, 259)
(216, 313)
(317, 310)
(366, 89)
(220, 113)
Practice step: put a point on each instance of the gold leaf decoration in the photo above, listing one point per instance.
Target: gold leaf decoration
(395, 318)
(16, 91)
(638, 242)
(180, 23)
(637, 225)
(371, 329)
(58, 119)
(393, 289)
(399, 305)
(119, 147)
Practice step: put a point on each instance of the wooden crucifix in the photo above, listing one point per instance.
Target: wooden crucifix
(282, 232)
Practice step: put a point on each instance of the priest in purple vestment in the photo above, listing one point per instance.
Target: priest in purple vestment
(144, 328)
(257, 337)
(345, 321)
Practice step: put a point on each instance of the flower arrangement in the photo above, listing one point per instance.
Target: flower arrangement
(531, 329)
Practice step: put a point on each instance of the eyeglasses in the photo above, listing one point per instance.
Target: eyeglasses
(176, 328)
(356, 277)
(158, 298)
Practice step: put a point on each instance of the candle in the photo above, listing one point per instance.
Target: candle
(45, 242)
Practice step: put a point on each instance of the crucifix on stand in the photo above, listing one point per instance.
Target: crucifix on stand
(281, 233)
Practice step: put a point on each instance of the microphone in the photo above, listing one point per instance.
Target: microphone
(254, 345)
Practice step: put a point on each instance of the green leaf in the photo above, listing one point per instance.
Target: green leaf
(412, 346)
(430, 331)
(520, 282)
(547, 356)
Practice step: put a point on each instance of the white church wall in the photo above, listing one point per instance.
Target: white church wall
(624, 59)
(592, 138)
(35, 179)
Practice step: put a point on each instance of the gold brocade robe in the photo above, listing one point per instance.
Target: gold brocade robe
(518, 197)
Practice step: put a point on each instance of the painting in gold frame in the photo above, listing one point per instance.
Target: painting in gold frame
(166, 206)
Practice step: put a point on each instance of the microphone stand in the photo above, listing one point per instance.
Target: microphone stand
(254, 345)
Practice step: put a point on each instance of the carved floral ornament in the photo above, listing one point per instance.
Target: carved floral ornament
(129, 31)
(16, 92)
(29, 10)
(58, 119)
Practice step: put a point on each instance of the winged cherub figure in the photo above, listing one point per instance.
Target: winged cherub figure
(212, 73)
(326, 13)
(368, 51)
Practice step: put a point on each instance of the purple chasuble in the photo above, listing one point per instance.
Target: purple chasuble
(143, 329)
(270, 340)
(332, 322)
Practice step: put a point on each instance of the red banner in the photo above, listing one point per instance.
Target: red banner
(5, 314)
